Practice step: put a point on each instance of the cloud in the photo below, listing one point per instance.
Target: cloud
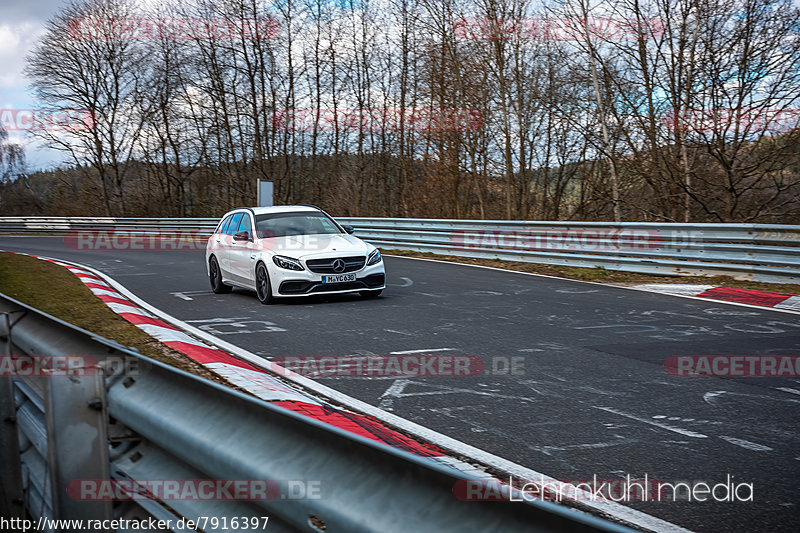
(21, 25)
(16, 41)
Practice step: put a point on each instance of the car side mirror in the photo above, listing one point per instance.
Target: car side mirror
(241, 236)
(349, 229)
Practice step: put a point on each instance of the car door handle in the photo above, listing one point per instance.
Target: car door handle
(253, 257)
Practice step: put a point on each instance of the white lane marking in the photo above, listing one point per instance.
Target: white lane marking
(401, 332)
(788, 389)
(647, 328)
(185, 294)
(262, 326)
(682, 431)
(616, 510)
(578, 291)
(441, 390)
(587, 446)
(622, 287)
(229, 326)
(406, 283)
(422, 351)
(182, 296)
(746, 444)
(395, 390)
(710, 396)
(774, 397)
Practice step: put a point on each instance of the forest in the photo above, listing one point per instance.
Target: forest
(623, 110)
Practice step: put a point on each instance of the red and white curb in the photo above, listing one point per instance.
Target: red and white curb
(374, 424)
(775, 300)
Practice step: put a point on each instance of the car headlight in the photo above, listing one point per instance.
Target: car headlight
(287, 262)
(374, 257)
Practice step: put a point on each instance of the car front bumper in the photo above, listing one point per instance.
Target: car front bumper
(293, 283)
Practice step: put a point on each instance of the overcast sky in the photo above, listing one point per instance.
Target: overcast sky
(21, 24)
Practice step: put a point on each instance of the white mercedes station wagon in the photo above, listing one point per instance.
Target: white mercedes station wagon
(292, 250)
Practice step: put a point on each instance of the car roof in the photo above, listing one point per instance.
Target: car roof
(276, 209)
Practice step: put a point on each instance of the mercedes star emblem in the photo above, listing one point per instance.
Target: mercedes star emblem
(338, 265)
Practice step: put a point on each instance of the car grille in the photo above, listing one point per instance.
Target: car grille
(325, 266)
(331, 287)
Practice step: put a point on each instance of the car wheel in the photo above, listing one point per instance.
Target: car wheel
(263, 289)
(371, 294)
(215, 276)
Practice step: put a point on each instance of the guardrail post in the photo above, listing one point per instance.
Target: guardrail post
(10, 470)
(77, 441)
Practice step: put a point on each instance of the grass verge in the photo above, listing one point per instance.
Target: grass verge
(601, 275)
(55, 290)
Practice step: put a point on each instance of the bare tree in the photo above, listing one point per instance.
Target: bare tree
(12, 158)
(101, 74)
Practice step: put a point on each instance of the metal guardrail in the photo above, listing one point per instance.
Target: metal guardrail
(134, 419)
(744, 251)
(761, 252)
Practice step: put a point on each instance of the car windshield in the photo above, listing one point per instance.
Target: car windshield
(287, 224)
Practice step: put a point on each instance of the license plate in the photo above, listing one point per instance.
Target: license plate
(338, 278)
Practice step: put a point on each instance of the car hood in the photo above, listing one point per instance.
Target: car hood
(302, 246)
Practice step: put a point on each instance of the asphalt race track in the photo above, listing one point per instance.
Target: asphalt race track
(589, 397)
